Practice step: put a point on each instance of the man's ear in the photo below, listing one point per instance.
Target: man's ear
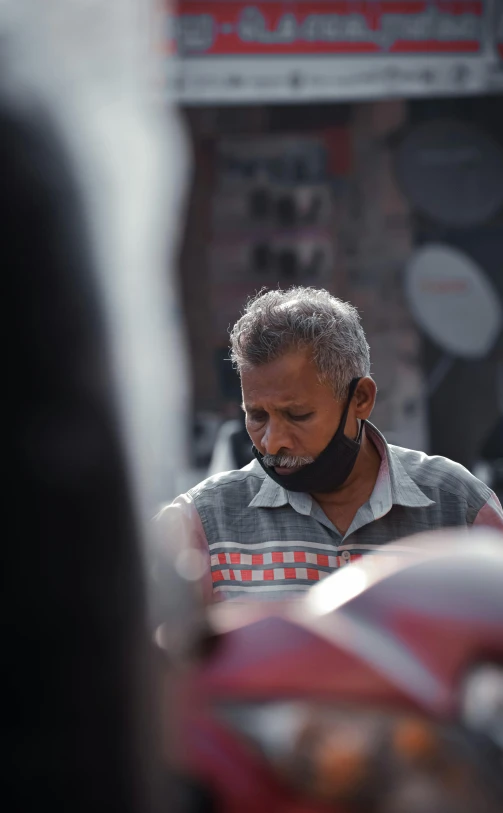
(365, 397)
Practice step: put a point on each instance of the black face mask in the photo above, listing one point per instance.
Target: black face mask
(331, 468)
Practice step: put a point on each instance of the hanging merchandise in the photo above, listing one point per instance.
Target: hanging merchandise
(271, 221)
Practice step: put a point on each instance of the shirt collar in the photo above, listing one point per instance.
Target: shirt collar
(271, 495)
(393, 486)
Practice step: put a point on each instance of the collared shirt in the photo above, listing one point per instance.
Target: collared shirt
(259, 540)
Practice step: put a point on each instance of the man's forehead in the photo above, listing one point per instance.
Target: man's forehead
(293, 360)
(287, 382)
(287, 401)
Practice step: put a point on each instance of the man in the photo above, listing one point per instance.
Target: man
(325, 487)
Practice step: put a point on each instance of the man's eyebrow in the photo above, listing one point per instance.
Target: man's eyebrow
(296, 405)
(288, 405)
(250, 408)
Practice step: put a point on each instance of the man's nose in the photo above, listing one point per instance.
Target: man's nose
(276, 437)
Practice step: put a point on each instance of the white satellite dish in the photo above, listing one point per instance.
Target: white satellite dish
(453, 301)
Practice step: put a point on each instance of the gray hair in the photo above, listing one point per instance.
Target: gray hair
(277, 321)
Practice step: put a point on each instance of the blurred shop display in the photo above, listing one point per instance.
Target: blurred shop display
(452, 171)
(271, 221)
(271, 225)
(373, 235)
(272, 51)
(396, 206)
(459, 309)
(289, 210)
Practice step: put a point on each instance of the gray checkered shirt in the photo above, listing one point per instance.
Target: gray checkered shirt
(262, 541)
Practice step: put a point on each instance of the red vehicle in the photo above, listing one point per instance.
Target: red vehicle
(380, 690)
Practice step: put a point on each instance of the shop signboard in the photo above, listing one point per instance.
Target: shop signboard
(244, 52)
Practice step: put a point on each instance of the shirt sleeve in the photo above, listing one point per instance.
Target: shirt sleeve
(183, 536)
(490, 515)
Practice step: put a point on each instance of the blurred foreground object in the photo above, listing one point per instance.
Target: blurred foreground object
(379, 691)
(87, 193)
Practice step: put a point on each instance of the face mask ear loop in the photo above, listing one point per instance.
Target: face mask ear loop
(361, 421)
(344, 416)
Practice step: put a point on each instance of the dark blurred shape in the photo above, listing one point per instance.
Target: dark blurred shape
(77, 716)
(292, 117)
(286, 210)
(314, 210)
(490, 459)
(228, 379)
(288, 265)
(241, 446)
(452, 171)
(315, 264)
(193, 797)
(259, 204)
(492, 448)
(261, 258)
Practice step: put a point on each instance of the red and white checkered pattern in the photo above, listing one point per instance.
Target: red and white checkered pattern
(303, 565)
